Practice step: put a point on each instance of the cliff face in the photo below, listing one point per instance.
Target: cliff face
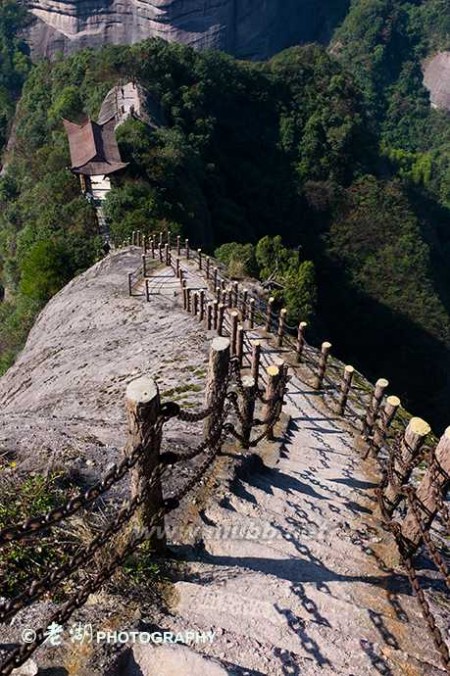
(252, 29)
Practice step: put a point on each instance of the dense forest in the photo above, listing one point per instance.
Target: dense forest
(326, 168)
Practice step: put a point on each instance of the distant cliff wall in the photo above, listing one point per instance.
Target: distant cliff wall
(253, 29)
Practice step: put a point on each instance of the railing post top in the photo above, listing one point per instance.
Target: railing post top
(382, 382)
(419, 427)
(256, 343)
(142, 390)
(220, 344)
(394, 401)
(326, 346)
(234, 314)
(303, 325)
(273, 370)
(283, 312)
(349, 369)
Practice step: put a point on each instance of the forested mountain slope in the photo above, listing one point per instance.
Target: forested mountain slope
(337, 152)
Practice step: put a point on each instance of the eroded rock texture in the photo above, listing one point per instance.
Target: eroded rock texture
(246, 28)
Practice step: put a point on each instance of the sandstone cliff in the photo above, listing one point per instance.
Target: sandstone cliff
(246, 28)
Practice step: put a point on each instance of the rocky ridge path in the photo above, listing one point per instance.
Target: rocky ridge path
(293, 572)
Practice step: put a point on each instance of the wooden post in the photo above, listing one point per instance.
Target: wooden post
(234, 326)
(300, 341)
(168, 237)
(188, 299)
(208, 263)
(374, 406)
(144, 243)
(152, 245)
(215, 271)
(186, 244)
(230, 298)
(384, 421)
(147, 290)
(281, 326)
(199, 251)
(144, 266)
(221, 318)
(209, 317)
(223, 297)
(195, 304)
(143, 412)
(178, 246)
(202, 306)
(218, 292)
(270, 303)
(244, 304)
(219, 361)
(160, 250)
(161, 238)
(166, 254)
(256, 359)
(133, 237)
(130, 283)
(247, 408)
(215, 307)
(240, 344)
(324, 354)
(236, 294)
(345, 388)
(271, 395)
(185, 296)
(435, 483)
(251, 315)
(412, 441)
(177, 267)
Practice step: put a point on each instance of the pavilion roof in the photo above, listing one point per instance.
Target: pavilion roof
(93, 148)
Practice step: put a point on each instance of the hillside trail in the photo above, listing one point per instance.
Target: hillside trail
(294, 573)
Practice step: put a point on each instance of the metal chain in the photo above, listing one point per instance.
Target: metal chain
(39, 523)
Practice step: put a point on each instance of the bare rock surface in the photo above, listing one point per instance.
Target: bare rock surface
(245, 28)
(436, 78)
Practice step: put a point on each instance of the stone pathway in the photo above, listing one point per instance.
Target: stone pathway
(294, 574)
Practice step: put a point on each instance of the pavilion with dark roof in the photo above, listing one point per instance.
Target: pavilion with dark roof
(93, 148)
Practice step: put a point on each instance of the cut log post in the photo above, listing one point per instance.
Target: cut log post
(143, 412)
(200, 266)
(244, 304)
(209, 315)
(152, 246)
(271, 397)
(221, 319)
(248, 396)
(138, 238)
(281, 326)
(256, 360)
(324, 354)
(345, 388)
(215, 307)
(223, 297)
(161, 238)
(177, 267)
(215, 282)
(186, 246)
(133, 238)
(144, 243)
(374, 406)
(234, 326)
(160, 252)
(208, 264)
(240, 344)
(218, 293)
(236, 295)
(189, 299)
(130, 283)
(251, 314)
(168, 234)
(184, 287)
(144, 266)
(201, 302)
(219, 363)
(195, 304)
(178, 246)
(268, 325)
(431, 490)
(167, 254)
(384, 421)
(230, 298)
(300, 341)
(411, 444)
(147, 290)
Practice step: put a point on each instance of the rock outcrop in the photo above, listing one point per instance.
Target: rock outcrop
(246, 28)
(436, 78)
